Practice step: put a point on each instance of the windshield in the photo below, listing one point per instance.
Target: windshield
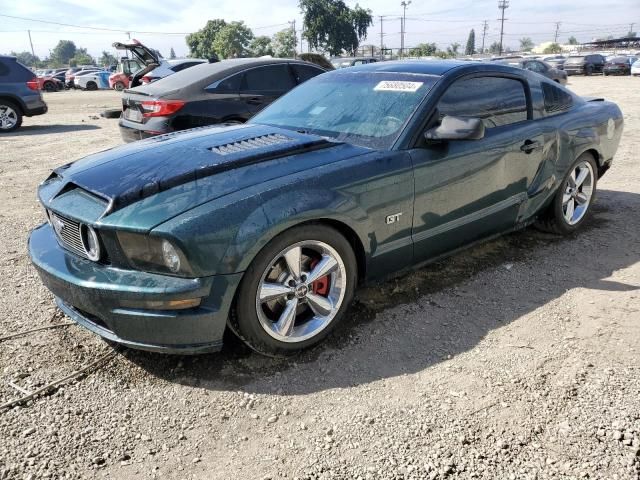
(368, 109)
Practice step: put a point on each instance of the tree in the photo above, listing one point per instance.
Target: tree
(631, 34)
(64, 51)
(333, 27)
(261, 46)
(201, 42)
(424, 50)
(172, 53)
(284, 44)
(452, 50)
(470, 49)
(81, 57)
(26, 58)
(526, 44)
(233, 40)
(573, 40)
(553, 48)
(494, 47)
(107, 59)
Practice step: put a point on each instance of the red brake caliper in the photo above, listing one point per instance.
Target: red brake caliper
(321, 285)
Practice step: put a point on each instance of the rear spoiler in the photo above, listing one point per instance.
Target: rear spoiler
(593, 99)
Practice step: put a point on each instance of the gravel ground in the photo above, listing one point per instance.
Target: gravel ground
(517, 359)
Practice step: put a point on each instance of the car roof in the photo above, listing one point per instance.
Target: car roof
(178, 61)
(209, 72)
(427, 67)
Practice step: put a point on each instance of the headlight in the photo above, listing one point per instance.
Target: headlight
(153, 254)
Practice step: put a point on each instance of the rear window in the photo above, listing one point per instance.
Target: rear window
(575, 60)
(556, 100)
(305, 72)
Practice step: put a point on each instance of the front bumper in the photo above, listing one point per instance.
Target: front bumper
(94, 296)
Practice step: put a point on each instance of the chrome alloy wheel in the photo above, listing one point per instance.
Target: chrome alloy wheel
(578, 193)
(8, 117)
(301, 291)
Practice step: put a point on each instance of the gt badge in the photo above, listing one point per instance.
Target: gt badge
(393, 218)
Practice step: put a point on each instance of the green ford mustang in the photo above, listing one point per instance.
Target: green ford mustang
(266, 228)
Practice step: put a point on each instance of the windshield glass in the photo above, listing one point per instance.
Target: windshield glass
(363, 108)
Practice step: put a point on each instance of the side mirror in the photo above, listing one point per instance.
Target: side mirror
(456, 128)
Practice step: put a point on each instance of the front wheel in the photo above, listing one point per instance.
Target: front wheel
(92, 86)
(118, 86)
(49, 87)
(296, 290)
(572, 203)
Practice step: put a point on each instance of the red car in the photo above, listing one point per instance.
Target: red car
(49, 83)
(121, 78)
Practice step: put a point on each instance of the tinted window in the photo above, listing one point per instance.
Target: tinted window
(535, 67)
(497, 101)
(305, 72)
(273, 78)
(228, 85)
(556, 100)
(4, 70)
(182, 66)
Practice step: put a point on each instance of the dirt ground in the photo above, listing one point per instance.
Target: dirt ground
(517, 359)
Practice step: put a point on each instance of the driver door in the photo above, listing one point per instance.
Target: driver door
(469, 189)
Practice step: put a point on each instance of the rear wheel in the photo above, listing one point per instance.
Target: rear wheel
(572, 203)
(296, 290)
(588, 70)
(118, 86)
(49, 87)
(10, 116)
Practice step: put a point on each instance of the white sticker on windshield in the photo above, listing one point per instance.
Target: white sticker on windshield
(317, 110)
(397, 86)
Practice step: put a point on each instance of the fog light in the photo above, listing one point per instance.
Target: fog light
(170, 256)
(90, 242)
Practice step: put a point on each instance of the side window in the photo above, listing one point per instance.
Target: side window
(556, 100)
(305, 72)
(269, 79)
(182, 66)
(496, 101)
(4, 70)
(359, 62)
(227, 85)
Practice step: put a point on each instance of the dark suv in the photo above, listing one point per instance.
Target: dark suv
(19, 94)
(584, 64)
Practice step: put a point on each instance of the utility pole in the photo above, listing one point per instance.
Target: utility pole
(404, 4)
(555, 38)
(295, 36)
(630, 29)
(502, 5)
(485, 27)
(381, 38)
(32, 51)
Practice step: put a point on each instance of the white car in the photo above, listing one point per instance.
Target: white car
(93, 80)
(635, 68)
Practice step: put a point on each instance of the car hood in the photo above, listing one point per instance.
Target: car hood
(124, 175)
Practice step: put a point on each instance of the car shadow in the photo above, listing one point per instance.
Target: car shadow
(27, 130)
(400, 326)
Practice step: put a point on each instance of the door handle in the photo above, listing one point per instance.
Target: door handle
(529, 146)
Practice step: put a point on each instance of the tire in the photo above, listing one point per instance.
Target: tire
(10, 116)
(588, 70)
(92, 86)
(316, 307)
(49, 87)
(118, 86)
(555, 218)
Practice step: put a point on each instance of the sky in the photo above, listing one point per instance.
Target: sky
(162, 24)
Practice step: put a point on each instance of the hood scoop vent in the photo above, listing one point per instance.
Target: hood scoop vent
(254, 143)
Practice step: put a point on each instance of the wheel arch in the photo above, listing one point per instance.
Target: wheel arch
(15, 100)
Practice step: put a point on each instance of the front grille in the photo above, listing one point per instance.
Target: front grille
(68, 233)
